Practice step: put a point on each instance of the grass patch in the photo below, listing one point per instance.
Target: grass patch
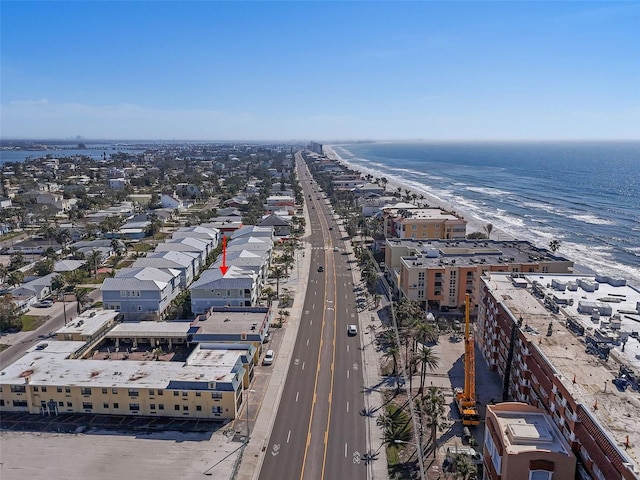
(3, 346)
(32, 322)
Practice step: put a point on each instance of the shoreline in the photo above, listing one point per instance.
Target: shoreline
(474, 224)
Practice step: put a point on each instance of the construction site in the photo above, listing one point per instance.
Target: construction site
(569, 345)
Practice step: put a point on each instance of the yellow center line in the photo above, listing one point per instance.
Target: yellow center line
(315, 384)
(333, 360)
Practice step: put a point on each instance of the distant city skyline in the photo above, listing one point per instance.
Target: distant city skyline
(328, 71)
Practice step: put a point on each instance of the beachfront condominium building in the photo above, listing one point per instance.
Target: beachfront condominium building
(522, 443)
(439, 273)
(568, 344)
(422, 223)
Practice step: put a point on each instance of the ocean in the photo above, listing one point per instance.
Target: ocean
(584, 194)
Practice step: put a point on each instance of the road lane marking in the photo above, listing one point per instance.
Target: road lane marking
(302, 365)
(347, 347)
(345, 450)
(347, 407)
(297, 395)
(307, 342)
(288, 436)
(347, 373)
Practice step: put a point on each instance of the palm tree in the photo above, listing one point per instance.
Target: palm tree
(269, 293)
(428, 359)
(393, 352)
(15, 278)
(431, 409)
(94, 259)
(3, 272)
(463, 467)
(488, 228)
(277, 271)
(554, 245)
(82, 297)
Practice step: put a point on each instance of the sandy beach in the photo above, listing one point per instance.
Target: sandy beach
(474, 224)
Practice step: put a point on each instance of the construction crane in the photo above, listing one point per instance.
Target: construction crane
(466, 399)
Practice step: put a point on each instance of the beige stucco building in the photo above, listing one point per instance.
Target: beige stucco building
(522, 443)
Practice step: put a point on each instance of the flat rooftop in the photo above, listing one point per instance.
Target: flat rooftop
(52, 369)
(586, 376)
(90, 322)
(529, 432)
(231, 323)
(149, 329)
(434, 253)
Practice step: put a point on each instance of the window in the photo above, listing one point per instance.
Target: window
(35, 389)
(152, 406)
(116, 405)
(184, 394)
(493, 451)
(134, 407)
(185, 408)
(161, 406)
(59, 389)
(61, 404)
(198, 408)
(133, 392)
(114, 391)
(152, 392)
(176, 393)
(1, 402)
(87, 405)
(105, 405)
(18, 388)
(85, 391)
(198, 394)
(216, 410)
(69, 404)
(19, 403)
(67, 390)
(105, 391)
(216, 395)
(160, 393)
(176, 407)
(540, 475)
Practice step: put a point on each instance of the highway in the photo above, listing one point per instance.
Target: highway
(319, 431)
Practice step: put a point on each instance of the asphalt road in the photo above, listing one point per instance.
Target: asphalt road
(27, 339)
(319, 431)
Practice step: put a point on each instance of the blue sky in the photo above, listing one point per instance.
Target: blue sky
(320, 70)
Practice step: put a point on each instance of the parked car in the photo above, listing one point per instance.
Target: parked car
(44, 304)
(268, 357)
(267, 337)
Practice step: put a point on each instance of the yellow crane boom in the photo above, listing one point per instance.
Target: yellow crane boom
(466, 399)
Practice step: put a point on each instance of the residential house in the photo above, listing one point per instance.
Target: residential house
(142, 293)
(281, 227)
(237, 287)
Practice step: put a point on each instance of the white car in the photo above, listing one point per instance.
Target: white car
(352, 330)
(268, 357)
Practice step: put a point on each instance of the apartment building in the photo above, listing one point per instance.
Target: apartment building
(48, 381)
(568, 344)
(439, 273)
(522, 443)
(409, 221)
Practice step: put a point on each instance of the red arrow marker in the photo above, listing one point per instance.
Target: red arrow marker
(224, 267)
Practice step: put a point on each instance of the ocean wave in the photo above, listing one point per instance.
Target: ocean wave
(488, 191)
(592, 219)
